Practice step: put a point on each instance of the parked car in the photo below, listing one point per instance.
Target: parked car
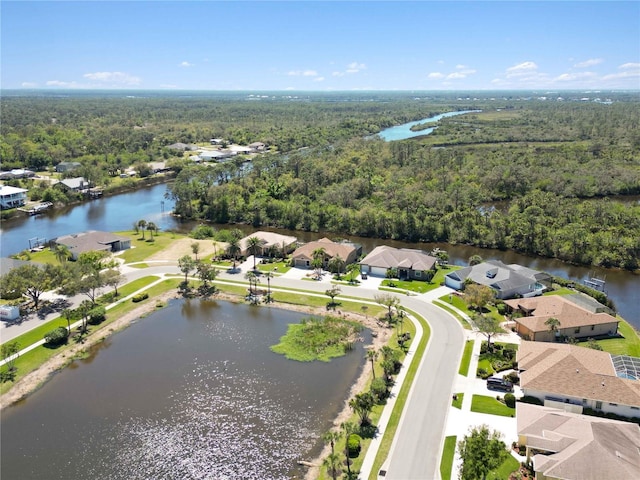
(496, 383)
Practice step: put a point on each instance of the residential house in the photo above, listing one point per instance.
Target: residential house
(78, 243)
(7, 264)
(257, 147)
(569, 446)
(268, 241)
(410, 263)
(303, 255)
(214, 155)
(507, 281)
(182, 147)
(17, 173)
(575, 321)
(240, 150)
(63, 167)
(77, 184)
(12, 197)
(573, 378)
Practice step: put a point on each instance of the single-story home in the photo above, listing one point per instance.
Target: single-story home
(268, 240)
(7, 264)
(572, 378)
(77, 184)
(12, 197)
(575, 321)
(182, 147)
(508, 281)
(303, 255)
(410, 263)
(78, 243)
(67, 166)
(215, 155)
(257, 147)
(570, 446)
(17, 173)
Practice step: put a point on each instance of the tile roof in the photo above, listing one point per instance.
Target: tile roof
(572, 371)
(331, 249)
(579, 447)
(568, 313)
(388, 257)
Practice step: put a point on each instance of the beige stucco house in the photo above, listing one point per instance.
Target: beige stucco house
(303, 255)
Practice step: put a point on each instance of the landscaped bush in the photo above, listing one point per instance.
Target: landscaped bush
(513, 378)
(57, 336)
(531, 400)
(502, 308)
(379, 389)
(140, 297)
(202, 232)
(353, 445)
(510, 400)
(97, 316)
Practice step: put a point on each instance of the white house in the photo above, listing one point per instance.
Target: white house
(12, 197)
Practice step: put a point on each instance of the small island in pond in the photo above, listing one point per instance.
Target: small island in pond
(318, 339)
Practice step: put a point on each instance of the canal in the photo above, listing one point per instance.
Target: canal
(118, 212)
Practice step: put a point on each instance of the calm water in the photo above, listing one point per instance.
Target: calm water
(402, 132)
(190, 392)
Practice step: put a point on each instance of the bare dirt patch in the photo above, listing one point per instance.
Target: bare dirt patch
(182, 247)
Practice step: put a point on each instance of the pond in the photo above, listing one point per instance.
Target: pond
(402, 132)
(190, 392)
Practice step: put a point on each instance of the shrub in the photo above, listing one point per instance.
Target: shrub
(202, 232)
(97, 316)
(531, 400)
(513, 378)
(510, 400)
(502, 308)
(57, 336)
(379, 389)
(140, 297)
(353, 445)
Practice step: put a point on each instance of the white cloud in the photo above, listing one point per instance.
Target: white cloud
(568, 77)
(302, 73)
(355, 67)
(60, 83)
(318, 79)
(456, 75)
(589, 63)
(524, 68)
(435, 75)
(632, 66)
(186, 64)
(338, 74)
(28, 84)
(310, 73)
(113, 78)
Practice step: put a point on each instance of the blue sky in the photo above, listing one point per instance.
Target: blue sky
(335, 45)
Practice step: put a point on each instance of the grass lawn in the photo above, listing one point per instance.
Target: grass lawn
(275, 267)
(446, 462)
(466, 325)
(457, 402)
(628, 345)
(485, 404)
(466, 358)
(560, 291)
(509, 466)
(142, 249)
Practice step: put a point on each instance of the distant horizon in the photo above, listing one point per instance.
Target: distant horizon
(321, 46)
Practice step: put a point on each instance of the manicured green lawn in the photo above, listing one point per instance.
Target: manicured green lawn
(142, 249)
(466, 358)
(275, 267)
(446, 462)
(560, 291)
(485, 404)
(628, 345)
(466, 325)
(509, 466)
(457, 402)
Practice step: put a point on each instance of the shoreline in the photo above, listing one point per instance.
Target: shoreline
(36, 379)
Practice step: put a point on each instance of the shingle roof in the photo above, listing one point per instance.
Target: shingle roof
(580, 447)
(572, 371)
(88, 241)
(331, 249)
(568, 313)
(268, 239)
(388, 257)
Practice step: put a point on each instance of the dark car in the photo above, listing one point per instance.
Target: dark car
(495, 383)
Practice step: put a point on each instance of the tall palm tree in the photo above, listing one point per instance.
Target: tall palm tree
(553, 324)
(318, 260)
(233, 249)
(152, 227)
(332, 464)
(268, 276)
(253, 279)
(331, 437)
(372, 355)
(253, 243)
(61, 253)
(349, 429)
(142, 224)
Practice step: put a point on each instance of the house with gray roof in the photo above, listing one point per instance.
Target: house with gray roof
(78, 243)
(573, 378)
(77, 184)
(507, 281)
(410, 263)
(569, 446)
(63, 167)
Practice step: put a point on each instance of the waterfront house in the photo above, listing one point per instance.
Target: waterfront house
(409, 263)
(569, 446)
(17, 173)
(507, 281)
(268, 241)
(303, 255)
(573, 378)
(12, 197)
(78, 243)
(575, 320)
(77, 184)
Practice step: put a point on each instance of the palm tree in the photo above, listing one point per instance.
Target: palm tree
(186, 264)
(195, 248)
(69, 315)
(318, 260)
(61, 253)
(233, 249)
(351, 269)
(336, 265)
(152, 227)
(253, 243)
(349, 429)
(253, 279)
(332, 464)
(475, 260)
(268, 276)
(331, 437)
(372, 355)
(142, 224)
(553, 324)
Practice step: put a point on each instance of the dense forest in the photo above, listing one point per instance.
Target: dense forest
(541, 176)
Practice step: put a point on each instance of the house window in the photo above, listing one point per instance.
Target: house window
(418, 273)
(577, 330)
(584, 401)
(593, 327)
(308, 263)
(598, 405)
(613, 404)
